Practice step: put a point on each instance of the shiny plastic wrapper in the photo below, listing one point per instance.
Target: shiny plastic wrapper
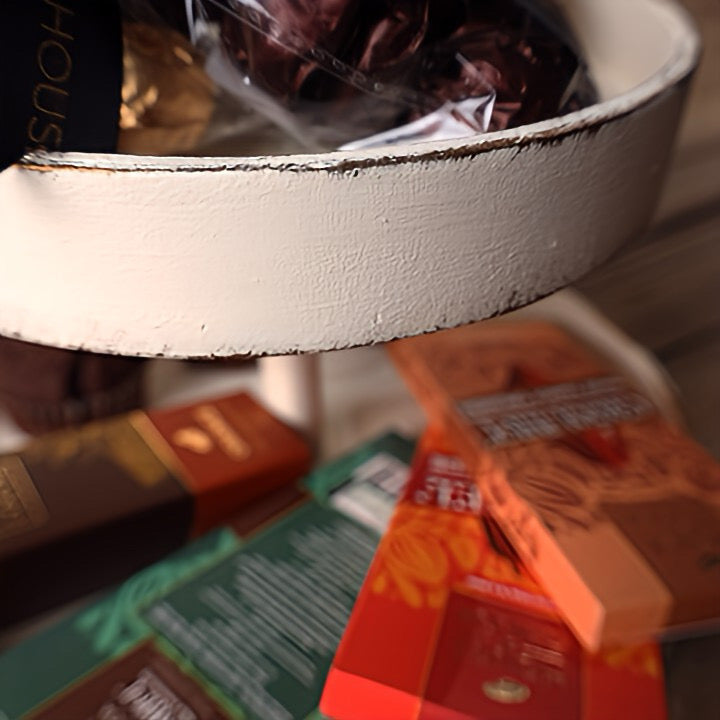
(170, 104)
(272, 76)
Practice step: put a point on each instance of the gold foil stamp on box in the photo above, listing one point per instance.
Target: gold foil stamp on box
(225, 434)
(212, 432)
(506, 691)
(193, 439)
(21, 507)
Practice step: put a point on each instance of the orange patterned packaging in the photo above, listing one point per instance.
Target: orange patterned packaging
(449, 625)
(611, 507)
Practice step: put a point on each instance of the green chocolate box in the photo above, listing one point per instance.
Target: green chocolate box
(242, 623)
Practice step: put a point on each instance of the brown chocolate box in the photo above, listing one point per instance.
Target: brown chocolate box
(142, 683)
(83, 508)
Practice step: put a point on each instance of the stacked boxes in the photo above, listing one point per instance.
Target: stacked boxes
(242, 623)
(450, 626)
(84, 508)
(613, 509)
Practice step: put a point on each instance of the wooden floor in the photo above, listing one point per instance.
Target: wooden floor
(665, 293)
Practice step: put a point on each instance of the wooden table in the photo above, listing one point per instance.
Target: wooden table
(665, 292)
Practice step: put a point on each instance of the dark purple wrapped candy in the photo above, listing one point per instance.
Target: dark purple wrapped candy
(349, 69)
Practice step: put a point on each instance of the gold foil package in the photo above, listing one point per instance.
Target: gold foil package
(171, 106)
(167, 98)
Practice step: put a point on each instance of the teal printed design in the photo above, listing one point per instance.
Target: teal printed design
(314, 715)
(323, 481)
(48, 663)
(213, 692)
(263, 625)
(113, 624)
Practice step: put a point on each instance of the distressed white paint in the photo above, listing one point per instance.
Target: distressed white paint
(200, 257)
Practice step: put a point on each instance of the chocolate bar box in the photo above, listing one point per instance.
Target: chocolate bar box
(449, 625)
(242, 623)
(613, 509)
(84, 508)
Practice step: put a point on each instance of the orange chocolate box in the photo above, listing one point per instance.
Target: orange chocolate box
(612, 508)
(450, 626)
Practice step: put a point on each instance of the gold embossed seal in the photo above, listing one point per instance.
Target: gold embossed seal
(506, 691)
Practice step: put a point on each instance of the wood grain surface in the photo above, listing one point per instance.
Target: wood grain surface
(665, 291)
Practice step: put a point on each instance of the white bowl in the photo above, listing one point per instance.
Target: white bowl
(202, 257)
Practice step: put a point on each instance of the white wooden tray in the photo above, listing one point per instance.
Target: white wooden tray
(218, 257)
